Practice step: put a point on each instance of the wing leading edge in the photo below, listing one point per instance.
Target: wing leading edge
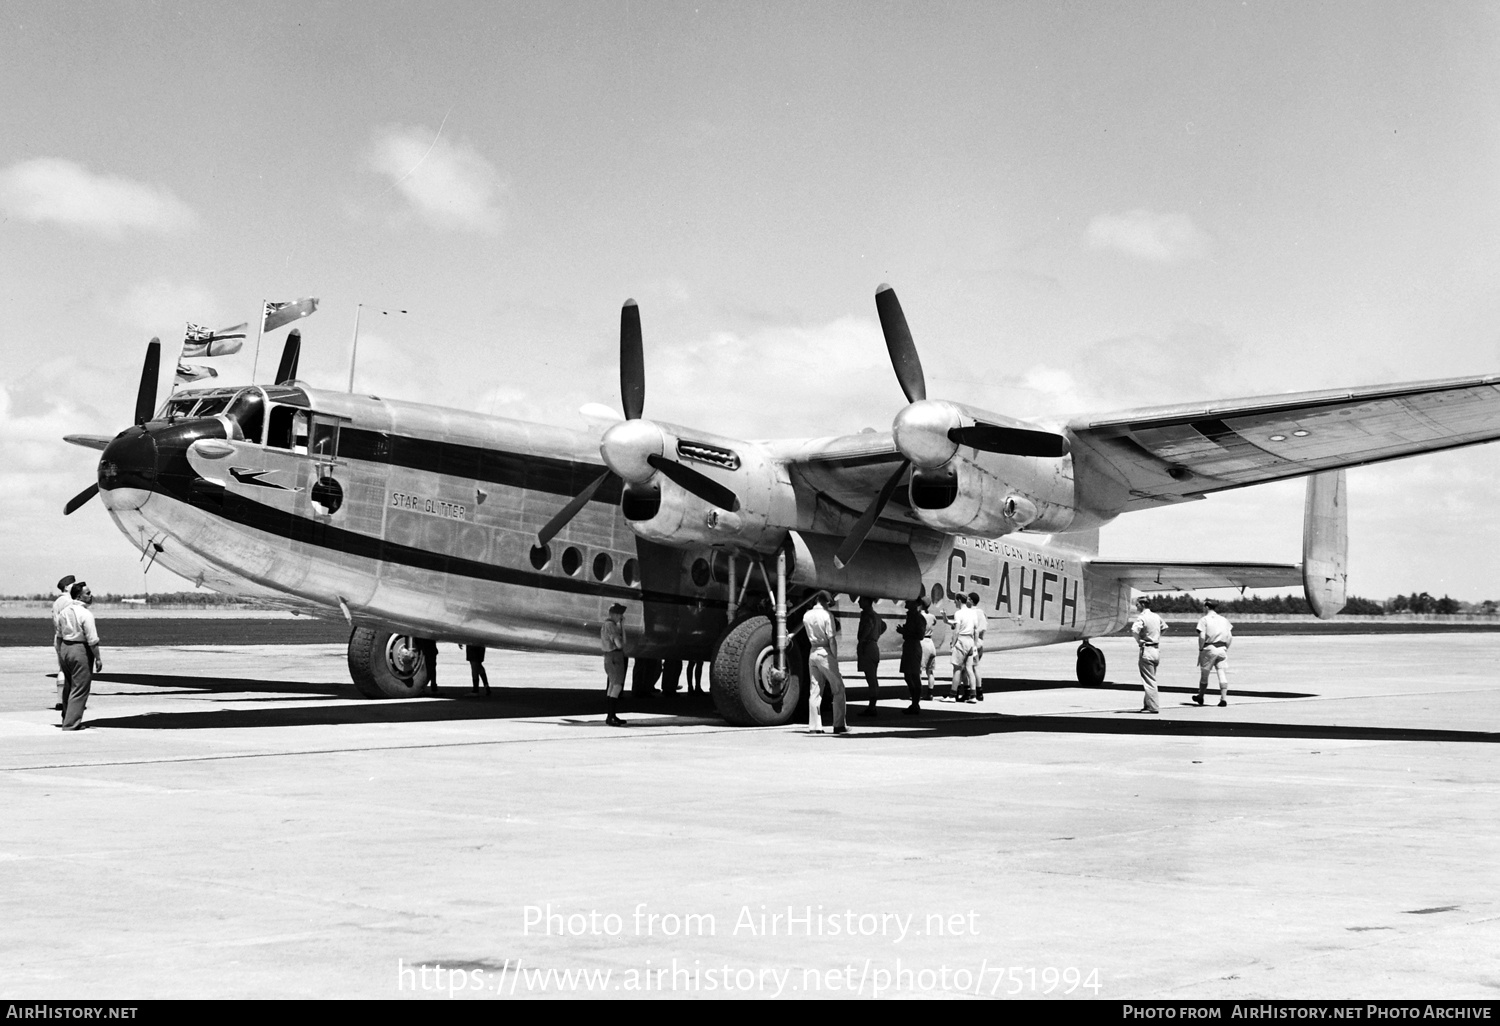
(1149, 457)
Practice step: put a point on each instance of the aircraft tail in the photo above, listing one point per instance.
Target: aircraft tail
(1325, 543)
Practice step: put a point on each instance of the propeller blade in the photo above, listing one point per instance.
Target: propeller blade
(79, 499)
(1009, 440)
(898, 342)
(706, 488)
(568, 512)
(88, 441)
(632, 362)
(145, 397)
(862, 527)
(289, 356)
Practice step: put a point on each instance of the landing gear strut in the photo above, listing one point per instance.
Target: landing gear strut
(386, 665)
(751, 678)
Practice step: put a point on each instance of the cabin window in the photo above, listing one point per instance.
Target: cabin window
(603, 566)
(541, 555)
(630, 571)
(325, 437)
(287, 429)
(572, 560)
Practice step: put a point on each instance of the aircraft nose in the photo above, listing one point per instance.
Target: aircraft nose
(127, 470)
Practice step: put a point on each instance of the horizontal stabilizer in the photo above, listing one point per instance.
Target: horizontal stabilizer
(1148, 575)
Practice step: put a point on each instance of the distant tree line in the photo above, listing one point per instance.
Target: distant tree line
(1355, 606)
(205, 599)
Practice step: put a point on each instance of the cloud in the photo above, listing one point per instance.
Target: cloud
(164, 307)
(448, 185)
(49, 189)
(1161, 238)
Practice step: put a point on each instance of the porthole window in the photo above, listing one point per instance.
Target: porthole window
(572, 559)
(700, 572)
(937, 594)
(630, 571)
(541, 555)
(603, 566)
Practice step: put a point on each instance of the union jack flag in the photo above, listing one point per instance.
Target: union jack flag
(199, 341)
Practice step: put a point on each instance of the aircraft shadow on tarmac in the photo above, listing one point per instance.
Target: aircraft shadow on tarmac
(583, 708)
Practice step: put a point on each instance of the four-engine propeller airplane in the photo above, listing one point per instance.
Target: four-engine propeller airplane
(414, 521)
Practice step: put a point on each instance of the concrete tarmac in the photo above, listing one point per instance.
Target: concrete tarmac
(236, 824)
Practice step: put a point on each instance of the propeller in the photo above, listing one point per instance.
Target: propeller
(929, 432)
(287, 370)
(145, 406)
(634, 449)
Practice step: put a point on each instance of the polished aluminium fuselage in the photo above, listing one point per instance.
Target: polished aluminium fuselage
(433, 533)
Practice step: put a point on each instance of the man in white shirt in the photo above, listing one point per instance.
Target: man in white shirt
(981, 625)
(1214, 637)
(62, 601)
(823, 666)
(964, 645)
(1147, 628)
(612, 642)
(80, 654)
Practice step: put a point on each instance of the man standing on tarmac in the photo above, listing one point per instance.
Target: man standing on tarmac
(916, 629)
(1214, 637)
(981, 625)
(823, 666)
(80, 654)
(961, 655)
(612, 641)
(1147, 629)
(62, 601)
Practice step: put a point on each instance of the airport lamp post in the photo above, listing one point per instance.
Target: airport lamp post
(354, 346)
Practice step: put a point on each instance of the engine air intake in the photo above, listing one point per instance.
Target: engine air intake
(710, 454)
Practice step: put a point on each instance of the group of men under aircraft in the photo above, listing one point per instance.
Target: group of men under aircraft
(919, 654)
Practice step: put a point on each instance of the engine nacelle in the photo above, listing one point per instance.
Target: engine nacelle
(661, 511)
(987, 494)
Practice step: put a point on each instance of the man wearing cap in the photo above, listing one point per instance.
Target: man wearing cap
(1147, 628)
(981, 625)
(80, 654)
(1214, 637)
(62, 601)
(612, 641)
(823, 666)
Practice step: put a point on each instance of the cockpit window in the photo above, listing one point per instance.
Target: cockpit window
(211, 405)
(247, 413)
(288, 429)
(177, 406)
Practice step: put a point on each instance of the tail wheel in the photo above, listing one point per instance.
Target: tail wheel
(383, 664)
(1090, 664)
(741, 681)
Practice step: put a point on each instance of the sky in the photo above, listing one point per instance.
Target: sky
(1083, 207)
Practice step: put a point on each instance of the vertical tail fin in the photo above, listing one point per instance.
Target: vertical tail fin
(1325, 543)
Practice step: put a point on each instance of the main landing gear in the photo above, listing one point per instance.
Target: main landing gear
(751, 676)
(386, 665)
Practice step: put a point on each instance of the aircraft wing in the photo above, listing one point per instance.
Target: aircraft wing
(1144, 458)
(1146, 575)
(847, 471)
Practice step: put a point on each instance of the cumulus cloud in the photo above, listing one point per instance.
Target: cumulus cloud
(1161, 238)
(448, 185)
(52, 190)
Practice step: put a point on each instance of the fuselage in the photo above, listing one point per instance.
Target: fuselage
(423, 520)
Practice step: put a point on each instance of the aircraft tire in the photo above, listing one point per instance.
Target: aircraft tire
(737, 676)
(376, 662)
(1091, 666)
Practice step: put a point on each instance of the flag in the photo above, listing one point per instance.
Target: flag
(278, 314)
(199, 341)
(190, 372)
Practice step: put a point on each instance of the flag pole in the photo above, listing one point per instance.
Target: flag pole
(260, 324)
(354, 349)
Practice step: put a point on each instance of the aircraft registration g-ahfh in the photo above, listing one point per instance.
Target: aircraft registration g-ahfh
(416, 522)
